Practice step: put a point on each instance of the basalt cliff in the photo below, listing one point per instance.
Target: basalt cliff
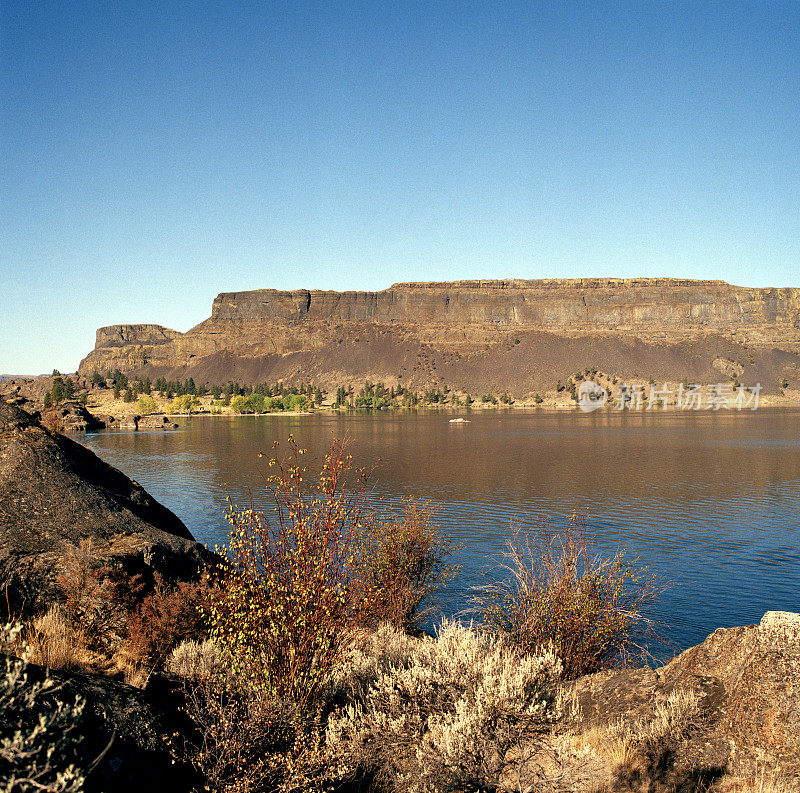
(516, 335)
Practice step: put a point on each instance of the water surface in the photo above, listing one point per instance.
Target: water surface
(710, 501)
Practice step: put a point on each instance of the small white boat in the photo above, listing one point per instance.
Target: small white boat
(459, 421)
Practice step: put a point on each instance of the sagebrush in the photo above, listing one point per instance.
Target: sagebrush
(440, 714)
(40, 729)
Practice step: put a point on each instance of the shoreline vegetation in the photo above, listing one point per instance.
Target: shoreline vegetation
(317, 608)
(300, 657)
(299, 662)
(115, 394)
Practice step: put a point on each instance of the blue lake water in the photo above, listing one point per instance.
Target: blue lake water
(710, 501)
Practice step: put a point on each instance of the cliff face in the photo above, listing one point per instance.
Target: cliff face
(580, 304)
(454, 319)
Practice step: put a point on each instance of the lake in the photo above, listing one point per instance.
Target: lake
(708, 500)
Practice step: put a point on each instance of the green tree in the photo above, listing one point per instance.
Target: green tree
(240, 404)
(119, 379)
(186, 403)
(146, 405)
(57, 391)
(257, 403)
(128, 395)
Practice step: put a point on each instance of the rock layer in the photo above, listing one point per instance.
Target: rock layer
(256, 329)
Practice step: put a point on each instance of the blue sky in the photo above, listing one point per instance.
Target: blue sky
(155, 154)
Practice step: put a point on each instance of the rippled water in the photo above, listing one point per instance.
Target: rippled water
(711, 501)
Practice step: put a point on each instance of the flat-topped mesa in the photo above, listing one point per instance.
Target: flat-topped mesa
(130, 348)
(586, 304)
(333, 337)
(562, 283)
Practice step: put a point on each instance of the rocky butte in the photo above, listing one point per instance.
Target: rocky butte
(519, 335)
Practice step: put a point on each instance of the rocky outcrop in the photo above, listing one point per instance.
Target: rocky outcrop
(56, 496)
(408, 330)
(155, 421)
(747, 681)
(127, 739)
(70, 416)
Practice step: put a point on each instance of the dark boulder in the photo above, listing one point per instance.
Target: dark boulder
(56, 496)
(70, 416)
(154, 421)
(128, 739)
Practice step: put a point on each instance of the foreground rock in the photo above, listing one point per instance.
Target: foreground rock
(747, 718)
(129, 739)
(57, 496)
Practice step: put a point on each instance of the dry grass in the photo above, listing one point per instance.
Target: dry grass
(619, 743)
(772, 782)
(53, 642)
(639, 754)
(764, 780)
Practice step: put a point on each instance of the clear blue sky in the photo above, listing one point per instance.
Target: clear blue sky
(155, 154)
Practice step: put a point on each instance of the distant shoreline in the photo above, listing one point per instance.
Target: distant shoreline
(766, 403)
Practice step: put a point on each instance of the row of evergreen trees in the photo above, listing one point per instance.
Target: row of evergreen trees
(372, 396)
(169, 389)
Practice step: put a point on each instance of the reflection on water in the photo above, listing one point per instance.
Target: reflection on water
(709, 500)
